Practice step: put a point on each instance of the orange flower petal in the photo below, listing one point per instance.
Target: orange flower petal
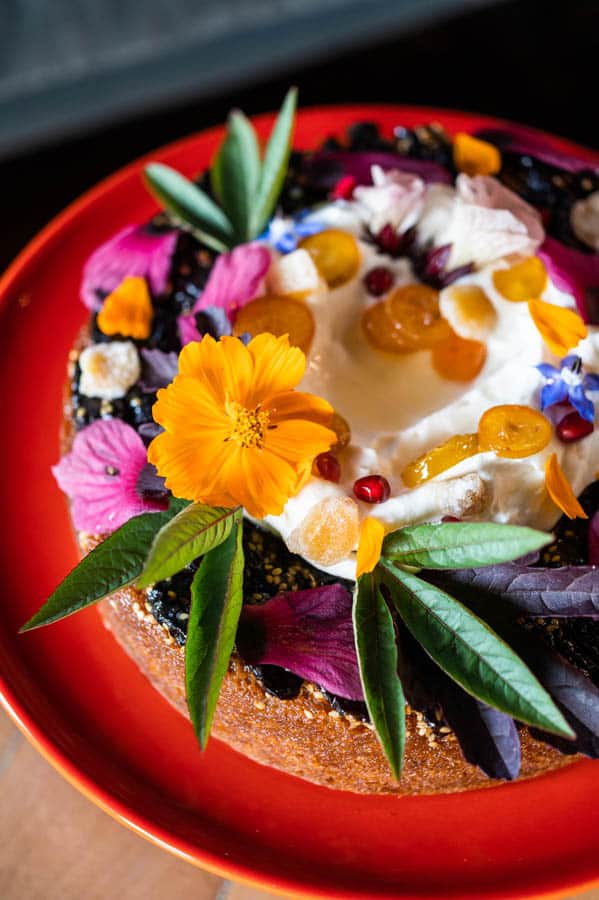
(560, 490)
(475, 157)
(191, 468)
(278, 368)
(128, 310)
(370, 545)
(264, 481)
(560, 328)
(187, 406)
(297, 440)
(296, 405)
(523, 281)
(225, 367)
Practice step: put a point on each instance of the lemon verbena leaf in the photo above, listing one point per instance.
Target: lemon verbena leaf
(377, 658)
(235, 173)
(196, 530)
(216, 602)
(471, 653)
(188, 204)
(113, 564)
(274, 166)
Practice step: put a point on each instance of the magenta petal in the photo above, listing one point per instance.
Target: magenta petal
(359, 165)
(235, 279)
(131, 251)
(310, 633)
(576, 273)
(100, 476)
(528, 142)
(594, 540)
(188, 330)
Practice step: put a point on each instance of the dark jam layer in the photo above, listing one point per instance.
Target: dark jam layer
(269, 567)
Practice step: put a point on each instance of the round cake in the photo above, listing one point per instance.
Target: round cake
(357, 432)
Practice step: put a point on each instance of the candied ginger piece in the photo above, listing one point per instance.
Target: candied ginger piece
(328, 533)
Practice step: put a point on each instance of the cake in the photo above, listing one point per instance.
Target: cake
(331, 452)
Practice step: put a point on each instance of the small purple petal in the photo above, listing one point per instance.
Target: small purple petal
(310, 633)
(359, 165)
(235, 279)
(148, 431)
(548, 371)
(594, 540)
(213, 321)
(581, 403)
(100, 476)
(158, 369)
(132, 251)
(574, 272)
(453, 274)
(151, 486)
(571, 361)
(436, 260)
(553, 392)
(188, 330)
(591, 382)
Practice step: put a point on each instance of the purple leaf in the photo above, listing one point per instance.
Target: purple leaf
(594, 540)
(158, 369)
(326, 167)
(576, 273)
(553, 592)
(309, 633)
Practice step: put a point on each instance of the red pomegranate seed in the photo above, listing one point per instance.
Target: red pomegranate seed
(573, 428)
(344, 189)
(379, 280)
(450, 519)
(372, 489)
(328, 467)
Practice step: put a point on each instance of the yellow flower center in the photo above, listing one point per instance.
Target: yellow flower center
(249, 425)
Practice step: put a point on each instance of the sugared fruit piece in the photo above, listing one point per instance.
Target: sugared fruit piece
(468, 310)
(458, 359)
(277, 315)
(294, 275)
(328, 533)
(439, 459)
(335, 254)
(523, 281)
(379, 281)
(573, 428)
(409, 319)
(514, 431)
(475, 157)
(328, 467)
(372, 489)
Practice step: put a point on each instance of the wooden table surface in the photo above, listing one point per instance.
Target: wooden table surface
(56, 845)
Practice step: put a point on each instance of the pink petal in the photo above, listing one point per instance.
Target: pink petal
(131, 251)
(395, 199)
(528, 142)
(310, 633)
(359, 166)
(487, 192)
(102, 501)
(188, 330)
(576, 273)
(594, 540)
(236, 278)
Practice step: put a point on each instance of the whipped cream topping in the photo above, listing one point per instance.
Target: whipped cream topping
(398, 407)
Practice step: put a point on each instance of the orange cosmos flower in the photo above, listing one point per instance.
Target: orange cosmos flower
(236, 431)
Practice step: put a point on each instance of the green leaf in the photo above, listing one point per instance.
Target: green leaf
(377, 657)
(461, 545)
(235, 173)
(195, 531)
(216, 601)
(274, 167)
(187, 203)
(471, 653)
(113, 564)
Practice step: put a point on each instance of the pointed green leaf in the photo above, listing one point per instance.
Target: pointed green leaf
(216, 601)
(187, 203)
(377, 657)
(113, 564)
(470, 652)
(235, 173)
(461, 545)
(195, 531)
(274, 167)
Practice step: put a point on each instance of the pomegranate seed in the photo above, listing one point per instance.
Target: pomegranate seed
(450, 519)
(573, 428)
(378, 281)
(372, 489)
(344, 188)
(328, 467)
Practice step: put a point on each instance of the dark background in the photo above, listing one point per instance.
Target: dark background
(531, 61)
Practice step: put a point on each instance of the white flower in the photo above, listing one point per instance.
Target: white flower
(395, 199)
(109, 370)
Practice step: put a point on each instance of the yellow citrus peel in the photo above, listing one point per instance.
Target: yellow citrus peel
(475, 157)
(523, 281)
(560, 490)
(128, 310)
(370, 545)
(561, 329)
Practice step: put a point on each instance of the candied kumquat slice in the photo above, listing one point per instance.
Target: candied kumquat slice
(458, 359)
(475, 157)
(562, 329)
(335, 253)
(468, 310)
(439, 459)
(513, 431)
(407, 320)
(329, 532)
(277, 315)
(560, 490)
(523, 281)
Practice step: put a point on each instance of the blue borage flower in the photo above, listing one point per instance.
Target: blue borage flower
(285, 234)
(569, 383)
